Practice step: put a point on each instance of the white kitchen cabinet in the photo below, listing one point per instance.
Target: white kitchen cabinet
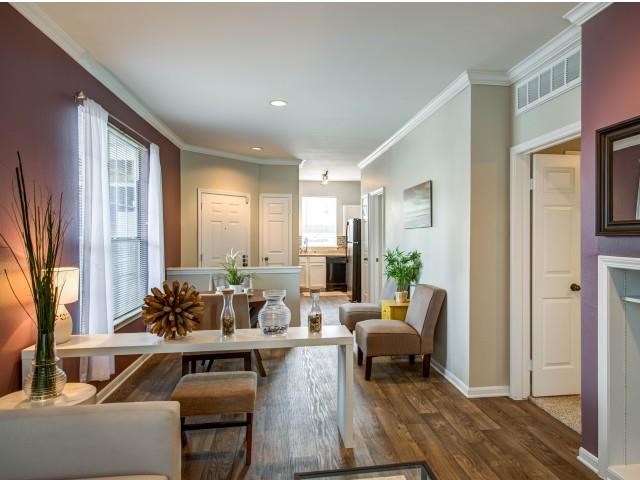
(304, 272)
(313, 273)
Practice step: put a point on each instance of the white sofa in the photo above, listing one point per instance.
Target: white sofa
(138, 441)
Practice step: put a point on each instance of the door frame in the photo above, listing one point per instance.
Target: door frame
(374, 296)
(520, 254)
(289, 197)
(209, 191)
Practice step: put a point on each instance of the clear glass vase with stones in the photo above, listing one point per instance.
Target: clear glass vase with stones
(228, 316)
(315, 314)
(275, 316)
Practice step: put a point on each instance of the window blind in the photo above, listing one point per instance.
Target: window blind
(127, 205)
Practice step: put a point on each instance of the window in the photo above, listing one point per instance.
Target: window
(319, 221)
(128, 223)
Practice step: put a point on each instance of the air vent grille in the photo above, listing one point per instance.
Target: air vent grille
(548, 82)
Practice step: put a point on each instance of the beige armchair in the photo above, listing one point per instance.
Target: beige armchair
(132, 441)
(413, 336)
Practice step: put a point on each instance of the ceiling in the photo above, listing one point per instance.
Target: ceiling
(353, 74)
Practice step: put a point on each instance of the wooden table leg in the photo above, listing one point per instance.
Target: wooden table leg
(259, 365)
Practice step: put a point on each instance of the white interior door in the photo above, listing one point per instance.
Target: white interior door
(224, 224)
(275, 230)
(555, 269)
(364, 250)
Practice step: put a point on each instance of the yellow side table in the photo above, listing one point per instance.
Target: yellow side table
(392, 310)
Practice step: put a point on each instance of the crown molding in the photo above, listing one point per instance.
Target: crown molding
(57, 35)
(238, 156)
(562, 43)
(584, 11)
(465, 79)
(51, 29)
(488, 77)
(450, 91)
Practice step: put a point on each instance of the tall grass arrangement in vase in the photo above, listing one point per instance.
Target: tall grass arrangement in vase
(39, 222)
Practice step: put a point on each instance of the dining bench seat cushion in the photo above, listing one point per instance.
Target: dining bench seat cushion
(350, 314)
(387, 337)
(216, 393)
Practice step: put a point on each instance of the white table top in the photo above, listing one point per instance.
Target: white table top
(73, 394)
(197, 341)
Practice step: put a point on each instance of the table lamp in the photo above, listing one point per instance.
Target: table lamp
(67, 280)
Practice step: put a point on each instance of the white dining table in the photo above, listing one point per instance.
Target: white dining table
(212, 341)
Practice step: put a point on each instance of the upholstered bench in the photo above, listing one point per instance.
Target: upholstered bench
(217, 393)
(350, 314)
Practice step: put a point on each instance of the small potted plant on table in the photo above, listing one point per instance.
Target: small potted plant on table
(404, 268)
(234, 276)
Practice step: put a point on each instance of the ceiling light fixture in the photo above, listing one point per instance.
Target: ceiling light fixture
(257, 149)
(325, 177)
(278, 103)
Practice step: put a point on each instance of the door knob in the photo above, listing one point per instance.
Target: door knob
(575, 287)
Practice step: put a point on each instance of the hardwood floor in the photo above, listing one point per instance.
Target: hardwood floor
(399, 416)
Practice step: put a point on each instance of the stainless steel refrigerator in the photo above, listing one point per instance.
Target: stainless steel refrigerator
(353, 259)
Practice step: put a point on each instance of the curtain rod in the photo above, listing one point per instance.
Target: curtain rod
(80, 97)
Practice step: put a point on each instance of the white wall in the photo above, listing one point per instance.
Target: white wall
(489, 301)
(346, 193)
(198, 170)
(437, 150)
(463, 148)
(546, 117)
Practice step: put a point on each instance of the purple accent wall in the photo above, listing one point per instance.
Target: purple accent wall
(39, 117)
(610, 94)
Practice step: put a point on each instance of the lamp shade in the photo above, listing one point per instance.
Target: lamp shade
(67, 279)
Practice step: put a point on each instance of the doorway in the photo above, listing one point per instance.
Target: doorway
(223, 224)
(549, 287)
(275, 230)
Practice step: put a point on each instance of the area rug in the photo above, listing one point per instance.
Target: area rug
(565, 408)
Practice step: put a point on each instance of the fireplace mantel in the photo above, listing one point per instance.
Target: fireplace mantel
(618, 359)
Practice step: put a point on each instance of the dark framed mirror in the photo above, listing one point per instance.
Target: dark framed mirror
(618, 179)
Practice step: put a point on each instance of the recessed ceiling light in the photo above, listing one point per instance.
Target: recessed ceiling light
(257, 149)
(278, 103)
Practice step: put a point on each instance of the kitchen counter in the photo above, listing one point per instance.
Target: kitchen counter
(323, 254)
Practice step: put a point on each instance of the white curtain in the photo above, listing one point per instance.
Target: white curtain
(155, 225)
(96, 309)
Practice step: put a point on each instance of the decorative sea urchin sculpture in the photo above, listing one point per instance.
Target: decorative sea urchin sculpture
(173, 312)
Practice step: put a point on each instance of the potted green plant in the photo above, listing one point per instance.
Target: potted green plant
(234, 276)
(39, 222)
(404, 268)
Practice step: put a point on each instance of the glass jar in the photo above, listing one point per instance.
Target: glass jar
(45, 380)
(275, 316)
(315, 314)
(228, 316)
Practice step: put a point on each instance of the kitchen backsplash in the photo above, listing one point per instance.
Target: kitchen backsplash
(341, 242)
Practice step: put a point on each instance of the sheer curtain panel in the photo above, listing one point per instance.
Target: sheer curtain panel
(155, 229)
(96, 302)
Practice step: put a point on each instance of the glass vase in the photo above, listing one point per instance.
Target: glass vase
(45, 380)
(228, 316)
(275, 316)
(315, 314)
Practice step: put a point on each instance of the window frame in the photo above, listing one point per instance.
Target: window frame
(131, 315)
(334, 243)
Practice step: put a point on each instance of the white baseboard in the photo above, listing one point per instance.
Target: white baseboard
(117, 382)
(466, 390)
(588, 459)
